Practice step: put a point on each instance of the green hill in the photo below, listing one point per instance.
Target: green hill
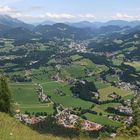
(11, 129)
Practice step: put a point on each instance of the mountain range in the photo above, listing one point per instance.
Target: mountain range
(85, 24)
(20, 31)
(7, 21)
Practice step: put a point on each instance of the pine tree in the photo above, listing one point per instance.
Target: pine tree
(136, 110)
(5, 96)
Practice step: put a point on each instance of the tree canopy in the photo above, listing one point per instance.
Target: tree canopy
(5, 96)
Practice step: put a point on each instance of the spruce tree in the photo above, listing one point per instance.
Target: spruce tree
(5, 96)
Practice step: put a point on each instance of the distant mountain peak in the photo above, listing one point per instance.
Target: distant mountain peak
(13, 22)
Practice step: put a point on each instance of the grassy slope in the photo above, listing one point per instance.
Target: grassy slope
(104, 92)
(21, 132)
(26, 98)
(103, 120)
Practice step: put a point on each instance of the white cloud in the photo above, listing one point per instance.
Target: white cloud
(5, 9)
(89, 16)
(8, 11)
(121, 15)
(59, 16)
(32, 17)
(126, 16)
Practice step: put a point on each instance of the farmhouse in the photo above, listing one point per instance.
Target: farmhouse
(113, 95)
(124, 109)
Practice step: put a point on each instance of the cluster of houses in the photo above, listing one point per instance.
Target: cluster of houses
(125, 85)
(126, 120)
(68, 120)
(107, 54)
(115, 117)
(27, 119)
(90, 126)
(124, 109)
(43, 98)
(78, 47)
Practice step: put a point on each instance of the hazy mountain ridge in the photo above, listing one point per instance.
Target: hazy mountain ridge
(13, 22)
(9, 24)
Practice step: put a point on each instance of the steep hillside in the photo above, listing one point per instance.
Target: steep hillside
(11, 129)
(13, 22)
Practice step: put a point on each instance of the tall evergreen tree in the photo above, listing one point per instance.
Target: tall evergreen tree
(5, 96)
(136, 110)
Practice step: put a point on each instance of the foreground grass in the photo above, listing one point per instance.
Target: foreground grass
(11, 129)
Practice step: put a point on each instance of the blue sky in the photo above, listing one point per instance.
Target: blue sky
(71, 10)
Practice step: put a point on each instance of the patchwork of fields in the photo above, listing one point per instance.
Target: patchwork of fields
(25, 99)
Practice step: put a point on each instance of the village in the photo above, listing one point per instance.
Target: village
(66, 118)
(29, 119)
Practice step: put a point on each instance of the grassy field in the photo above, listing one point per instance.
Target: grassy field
(100, 85)
(76, 70)
(76, 57)
(117, 61)
(113, 78)
(43, 74)
(83, 67)
(104, 92)
(101, 120)
(88, 64)
(25, 98)
(134, 64)
(67, 100)
(38, 108)
(103, 107)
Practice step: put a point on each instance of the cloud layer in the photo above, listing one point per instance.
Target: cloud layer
(47, 15)
(32, 15)
(126, 16)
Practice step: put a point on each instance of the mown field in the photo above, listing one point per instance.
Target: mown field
(104, 92)
(102, 108)
(134, 64)
(25, 98)
(67, 100)
(101, 120)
